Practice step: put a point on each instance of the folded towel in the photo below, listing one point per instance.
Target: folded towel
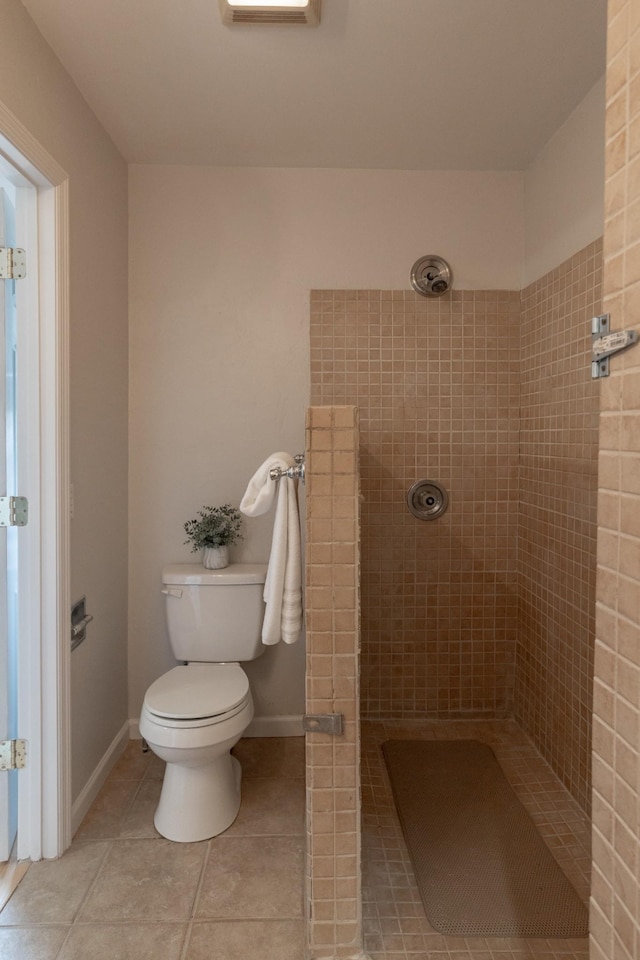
(283, 584)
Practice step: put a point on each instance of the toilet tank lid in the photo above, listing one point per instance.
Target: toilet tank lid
(197, 574)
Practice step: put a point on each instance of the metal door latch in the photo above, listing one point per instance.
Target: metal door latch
(605, 344)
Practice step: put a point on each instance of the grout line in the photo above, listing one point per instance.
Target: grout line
(198, 890)
(10, 876)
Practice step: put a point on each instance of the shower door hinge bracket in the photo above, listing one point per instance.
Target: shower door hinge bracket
(14, 511)
(13, 754)
(13, 263)
(322, 723)
(605, 344)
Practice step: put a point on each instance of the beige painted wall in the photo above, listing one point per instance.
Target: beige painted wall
(564, 190)
(222, 262)
(34, 86)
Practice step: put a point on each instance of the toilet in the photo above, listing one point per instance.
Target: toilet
(193, 715)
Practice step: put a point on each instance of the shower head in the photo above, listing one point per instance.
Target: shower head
(431, 276)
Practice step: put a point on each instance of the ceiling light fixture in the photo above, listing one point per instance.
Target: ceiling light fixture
(305, 12)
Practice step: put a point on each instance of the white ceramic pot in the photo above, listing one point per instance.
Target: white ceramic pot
(215, 558)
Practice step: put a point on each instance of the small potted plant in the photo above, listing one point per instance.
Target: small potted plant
(214, 529)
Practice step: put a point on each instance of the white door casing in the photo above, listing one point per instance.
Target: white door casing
(44, 808)
(8, 812)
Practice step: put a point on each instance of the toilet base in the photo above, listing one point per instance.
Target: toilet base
(199, 802)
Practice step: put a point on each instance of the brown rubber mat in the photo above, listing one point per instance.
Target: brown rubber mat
(482, 867)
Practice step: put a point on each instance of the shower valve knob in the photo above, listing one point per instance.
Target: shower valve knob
(427, 500)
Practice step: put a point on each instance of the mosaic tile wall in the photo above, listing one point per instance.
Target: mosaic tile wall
(559, 405)
(332, 615)
(615, 919)
(436, 384)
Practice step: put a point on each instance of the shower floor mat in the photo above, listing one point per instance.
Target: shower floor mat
(482, 867)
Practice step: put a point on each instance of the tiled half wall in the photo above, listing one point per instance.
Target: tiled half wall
(332, 623)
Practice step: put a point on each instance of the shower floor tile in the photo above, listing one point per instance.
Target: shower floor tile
(395, 924)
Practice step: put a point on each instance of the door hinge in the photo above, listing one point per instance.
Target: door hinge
(13, 754)
(14, 511)
(13, 263)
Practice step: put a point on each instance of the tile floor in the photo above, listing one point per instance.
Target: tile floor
(122, 892)
(395, 924)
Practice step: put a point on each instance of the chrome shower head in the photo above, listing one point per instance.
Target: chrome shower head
(431, 276)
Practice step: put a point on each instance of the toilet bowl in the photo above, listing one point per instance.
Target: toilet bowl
(194, 714)
(191, 718)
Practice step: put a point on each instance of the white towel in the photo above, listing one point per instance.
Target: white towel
(283, 584)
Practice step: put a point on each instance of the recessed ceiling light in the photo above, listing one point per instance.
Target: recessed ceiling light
(306, 12)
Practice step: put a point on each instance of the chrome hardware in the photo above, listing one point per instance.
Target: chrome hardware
(427, 500)
(293, 473)
(13, 754)
(431, 276)
(79, 620)
(322, 723)
(13, 263)
(14, 511)
(81, 626)
(605, 344)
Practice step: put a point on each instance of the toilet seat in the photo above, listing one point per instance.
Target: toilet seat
(198, 694)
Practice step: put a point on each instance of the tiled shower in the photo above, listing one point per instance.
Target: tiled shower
(486, 612)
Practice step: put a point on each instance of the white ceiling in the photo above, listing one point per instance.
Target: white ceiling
(409, 84)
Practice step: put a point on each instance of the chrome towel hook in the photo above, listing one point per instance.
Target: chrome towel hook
(293, 473)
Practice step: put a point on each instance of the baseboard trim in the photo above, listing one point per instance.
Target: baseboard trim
(282, 726)
(93, 785)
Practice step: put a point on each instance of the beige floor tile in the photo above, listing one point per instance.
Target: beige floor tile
(104, 820)
(156, 768)
(125, 941)
(133, 764)
(253, 877)
(53, 890)
(146, 880)
(271, 756)
(31, 943)
(246, 940)
(138, 822)
(270, 807)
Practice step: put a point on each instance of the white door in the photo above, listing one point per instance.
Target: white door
(8, 535)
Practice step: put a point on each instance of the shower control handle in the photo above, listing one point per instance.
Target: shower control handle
(427, 500)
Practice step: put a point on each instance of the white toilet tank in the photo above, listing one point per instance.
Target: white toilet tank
(214, 616)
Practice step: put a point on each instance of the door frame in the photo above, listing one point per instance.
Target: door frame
(44, 654)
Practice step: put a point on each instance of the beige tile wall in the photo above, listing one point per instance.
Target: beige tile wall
(448, 605)
(436, 384)
(557, 516)
(332, 622)
(615, 914)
